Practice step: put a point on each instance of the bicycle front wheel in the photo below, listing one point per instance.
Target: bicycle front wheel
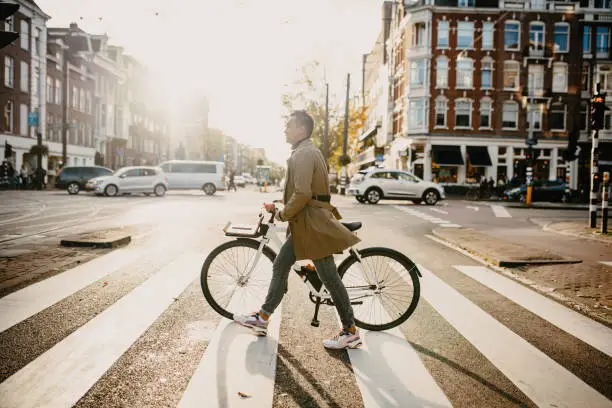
(383, 288)
(234, 280)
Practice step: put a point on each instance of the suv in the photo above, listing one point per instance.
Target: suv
(375, 185)
(74, 179)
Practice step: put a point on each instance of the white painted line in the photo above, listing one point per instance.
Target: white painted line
(500, 211)
(609, 263)
(450, 225)
(18, 306)
(545, 381)
(438, 210)
(594, 334)
(65, 372)
(235, 361)
(471, 207)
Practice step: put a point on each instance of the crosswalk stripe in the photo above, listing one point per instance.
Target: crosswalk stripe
(539, 377)
(608, 263)
(65, 372)
(236, 361)
(500, 211)
(18, 306)
(595, 334)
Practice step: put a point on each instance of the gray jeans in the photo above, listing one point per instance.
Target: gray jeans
(326, 269)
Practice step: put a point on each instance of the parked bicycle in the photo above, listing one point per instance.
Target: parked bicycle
(383, 284)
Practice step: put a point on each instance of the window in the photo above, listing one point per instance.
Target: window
(487, 36)
(9, 24)
(586, 40)
(583, 116)
(585, 78)
(603, 4)
(487, 73)
(417, 114)
(559, 83)
(465, 73)
(441, 107)
(23, 119)
(604, 77)
(75, 97)
(82, 100)
(8, 116)
(512, 33)
(24, 35)
(538, 4)
(58, 91)
(556, 117)
(536, 37)
(442, 72)
(510, 116)
(418, 35)
(417, 73)
(24, 77)
(602, 41)
(103, 115)
(37, 42)
(561, 37)
(535, 78)
(465, 34)
(443, 34)
(9, 72)
(534, 116)
(49, 89)
(466, 3)
(88, 102)
(463, 114)
(511, 75)
(485, 113)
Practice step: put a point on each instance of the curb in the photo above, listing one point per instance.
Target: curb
(507, 263)
(96, 243)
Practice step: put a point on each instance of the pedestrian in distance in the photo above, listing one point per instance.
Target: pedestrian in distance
(232, 184)
(314, 233)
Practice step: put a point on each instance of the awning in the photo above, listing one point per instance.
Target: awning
(478, 155)
(447, 155)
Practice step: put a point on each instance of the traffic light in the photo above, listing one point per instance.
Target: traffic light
(529, 156)
(7, 10)
(8, 150)
(598, 108)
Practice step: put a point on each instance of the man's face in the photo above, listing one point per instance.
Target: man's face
(294, 132)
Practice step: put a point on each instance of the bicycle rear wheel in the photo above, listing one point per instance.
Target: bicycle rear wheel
(395, 298)
(225, 281)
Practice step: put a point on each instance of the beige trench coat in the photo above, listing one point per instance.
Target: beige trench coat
(314, 225)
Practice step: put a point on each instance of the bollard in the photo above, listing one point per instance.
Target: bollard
(605, 196)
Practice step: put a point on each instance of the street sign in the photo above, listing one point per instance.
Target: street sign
(33, 119)
(380, 158)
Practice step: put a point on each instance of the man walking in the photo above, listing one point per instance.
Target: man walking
(315, 233)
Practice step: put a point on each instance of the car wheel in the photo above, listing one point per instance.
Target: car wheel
(111, 190)
(73, 188)
(431, 197)
(209, 189)
(373, 195)
(160, 190)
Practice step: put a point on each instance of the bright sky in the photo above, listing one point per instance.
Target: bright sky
(239, 53)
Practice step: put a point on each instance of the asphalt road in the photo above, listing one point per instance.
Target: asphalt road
(132, 329)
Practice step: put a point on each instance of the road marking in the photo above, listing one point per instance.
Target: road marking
(18, 306)
(438, 210)
(510, 353)
(609, 263)
(500, 211)
(65, 372)
(235, 361)
(471, 207)
(589, 331)
(427, 217)
(450, 225)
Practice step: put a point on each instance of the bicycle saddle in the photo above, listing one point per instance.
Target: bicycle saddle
(352, 226)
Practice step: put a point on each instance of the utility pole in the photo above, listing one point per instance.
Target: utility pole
(39, 169)
(65, 97)
(530, 143)
(364, 58)
(598, 109)
(326, 134)
(345, 139)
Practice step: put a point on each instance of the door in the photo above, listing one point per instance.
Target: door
(409, 185)
(129, 181)
(167, 168)
(390, 184)
(148, 177)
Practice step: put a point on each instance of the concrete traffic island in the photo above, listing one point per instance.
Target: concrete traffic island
(98, 239)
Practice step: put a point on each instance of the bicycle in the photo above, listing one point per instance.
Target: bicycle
(242, 280)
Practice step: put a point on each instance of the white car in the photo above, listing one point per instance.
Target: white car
(191, 174)
(239, 181)
(141, 179)
(371, 186)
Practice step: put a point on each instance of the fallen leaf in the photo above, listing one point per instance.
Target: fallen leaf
(105, 283)
(243, 395)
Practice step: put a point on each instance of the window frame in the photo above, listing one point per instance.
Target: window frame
(537, 112)
(447, 24)
(9, 72)
(441, 100)
(490, 63)
(419, 67)
(567, 38)
(556, 66)
(438, 68)
(414, 116)
(9, 111)
(24, 35)
(587, 33)
(602, 52)
(458, 71)
(489, 101)
(24, 77)
(23, 120)
(550, 113)
(516, 113)
(492, 31)
(531, 84)
(469, 103)
(518, 35)
(473, 29)
(518, 74)
(542, 44)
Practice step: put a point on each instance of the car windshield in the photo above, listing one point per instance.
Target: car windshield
(119, 172)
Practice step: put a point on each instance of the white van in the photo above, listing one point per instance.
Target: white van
(191, 174)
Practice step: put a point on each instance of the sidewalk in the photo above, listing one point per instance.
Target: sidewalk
(565, 268)
(578, 229)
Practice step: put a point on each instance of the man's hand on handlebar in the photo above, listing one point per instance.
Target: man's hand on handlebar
(270, 207)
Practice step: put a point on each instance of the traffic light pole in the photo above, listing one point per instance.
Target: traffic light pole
(529, 172)
(594, 174)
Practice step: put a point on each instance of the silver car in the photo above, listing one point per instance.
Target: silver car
(141, 179)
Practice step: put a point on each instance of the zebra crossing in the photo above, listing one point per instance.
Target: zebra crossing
(388, 369)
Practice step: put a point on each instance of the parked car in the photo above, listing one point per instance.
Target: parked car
(74, 179)
(543, 190)
(187, 174)
(141, 179)
(239, 181)
(374, 185)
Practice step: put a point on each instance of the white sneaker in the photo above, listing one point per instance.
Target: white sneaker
(254, 322)
(343, 340)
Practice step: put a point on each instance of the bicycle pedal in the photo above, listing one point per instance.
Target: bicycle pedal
(315, 323)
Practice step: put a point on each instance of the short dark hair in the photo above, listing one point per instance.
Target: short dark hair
(304, 119)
